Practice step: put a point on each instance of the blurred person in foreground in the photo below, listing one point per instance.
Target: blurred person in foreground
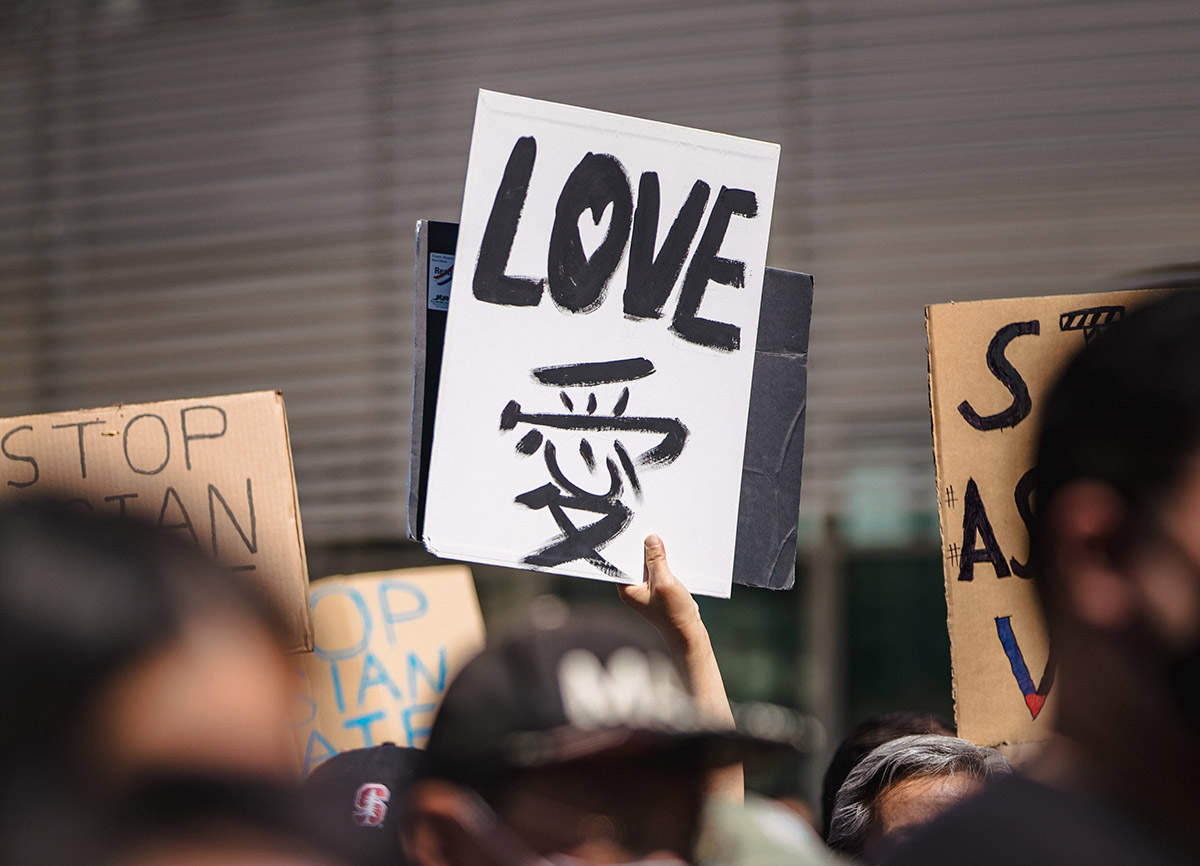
(863, 739)
(1116, 542)
(220, 819)
(126, 659)
(576, 741)
(904, 784)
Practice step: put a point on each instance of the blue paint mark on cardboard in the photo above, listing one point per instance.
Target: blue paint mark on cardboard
(386, 645)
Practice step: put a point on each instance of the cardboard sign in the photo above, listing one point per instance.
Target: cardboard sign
(990, 365)
(217, 471)
(600, 344)
(765, 554)
(387, 644)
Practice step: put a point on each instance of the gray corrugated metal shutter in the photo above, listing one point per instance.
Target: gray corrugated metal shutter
(21, 234)
(974, 150)
(220, 195)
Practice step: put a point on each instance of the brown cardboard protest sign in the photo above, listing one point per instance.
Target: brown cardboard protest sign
(216, 471)
(387, 644)
(990, 366)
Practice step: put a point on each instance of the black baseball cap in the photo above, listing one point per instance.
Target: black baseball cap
(361, 792)
(589, 688)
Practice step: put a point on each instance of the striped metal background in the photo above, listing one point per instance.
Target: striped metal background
(205, 197)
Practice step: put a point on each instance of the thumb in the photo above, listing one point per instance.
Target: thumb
(655, 570)
(634, 594)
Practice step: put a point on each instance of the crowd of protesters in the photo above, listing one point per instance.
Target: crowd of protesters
(147, 696)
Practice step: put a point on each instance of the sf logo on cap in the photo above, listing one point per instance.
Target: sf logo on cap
(370, 804)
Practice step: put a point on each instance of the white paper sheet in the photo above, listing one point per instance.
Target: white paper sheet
(567, 430)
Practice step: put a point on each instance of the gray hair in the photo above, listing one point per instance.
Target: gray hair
(912, 757)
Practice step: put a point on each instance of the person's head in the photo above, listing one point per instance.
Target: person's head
(575, 742)
(125, 652)
(221, 820)
(362, 792)
(902, 785)
(864, 739)
(1116, 539)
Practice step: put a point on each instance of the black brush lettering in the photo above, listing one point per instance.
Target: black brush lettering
(622, 402)
(530, 442)
(651, 279)
(1023, 494)
(594, 373)
(491, 284)
(707, 267)
(977, 526)
(627, 465)
(1003, 370)
(578, 282)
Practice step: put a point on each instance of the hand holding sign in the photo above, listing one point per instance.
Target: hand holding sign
(664, 602)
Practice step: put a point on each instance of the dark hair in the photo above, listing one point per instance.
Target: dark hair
(1125, 411)
(82, 597)
(912, 757)
(211, 814)
(865, 738)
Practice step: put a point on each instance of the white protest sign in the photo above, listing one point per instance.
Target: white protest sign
(387, 645)
(599, 344)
